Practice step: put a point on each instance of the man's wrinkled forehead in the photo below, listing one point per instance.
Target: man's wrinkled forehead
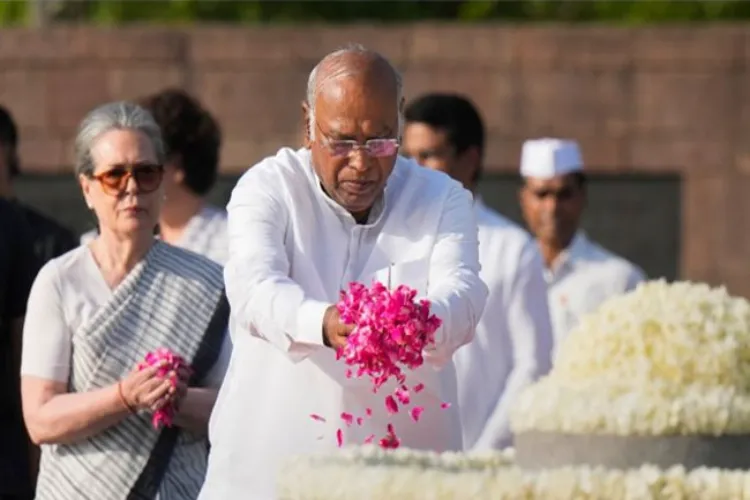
(356, 78)
(357, 90)
(345, 105)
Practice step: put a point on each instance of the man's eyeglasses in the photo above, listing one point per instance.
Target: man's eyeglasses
(115, 180)
(376, 148)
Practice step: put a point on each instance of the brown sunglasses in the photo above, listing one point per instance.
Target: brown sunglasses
(115, 180)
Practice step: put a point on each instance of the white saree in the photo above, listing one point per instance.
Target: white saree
(172, 298)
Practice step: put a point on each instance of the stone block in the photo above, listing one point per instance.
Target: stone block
(688, 154)
(134, 82)
(699, 103)
(72, 92)
(579, 48)
(703, 228)
(477, 46)
(574, 104)
(253, 103)
(24, 93)
(494, 93)
(689, 48)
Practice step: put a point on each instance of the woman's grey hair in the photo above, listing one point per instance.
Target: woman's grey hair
(121, 115)
(315, 83)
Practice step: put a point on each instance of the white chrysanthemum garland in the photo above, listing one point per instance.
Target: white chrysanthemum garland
(370, 473)
(663, 359)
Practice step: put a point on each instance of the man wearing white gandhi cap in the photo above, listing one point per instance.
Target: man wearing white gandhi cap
(580, 274)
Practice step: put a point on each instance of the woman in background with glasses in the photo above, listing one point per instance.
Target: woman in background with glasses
(93, 315)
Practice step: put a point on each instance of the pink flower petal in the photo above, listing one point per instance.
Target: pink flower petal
(416, 412)
(368, 412)
(340, 437)
(445, 406)
(391, 405)
(390, 441)
(418, 388)
(348, 418)
(402, 394)
(360, 420)
(317, 417)
(369, 439)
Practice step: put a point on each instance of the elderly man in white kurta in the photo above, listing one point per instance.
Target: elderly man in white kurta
(303, 225)
(580, 273)
(513, 342)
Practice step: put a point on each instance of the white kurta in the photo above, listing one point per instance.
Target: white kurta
(513, 342)
(582, 278)
(205, 234)
(291, 250)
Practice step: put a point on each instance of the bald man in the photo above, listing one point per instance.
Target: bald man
(302, 225)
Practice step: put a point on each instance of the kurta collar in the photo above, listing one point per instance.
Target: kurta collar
(567, 258)
(378, 209)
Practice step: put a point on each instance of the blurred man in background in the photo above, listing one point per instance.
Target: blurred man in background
(18, 267)
(193, 140)
(580, 274)
(50, 239)
(513, 339)
(28, 239)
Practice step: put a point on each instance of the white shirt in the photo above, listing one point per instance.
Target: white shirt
(291, 251)
(513, 342)
(204, 234)
(583, 277)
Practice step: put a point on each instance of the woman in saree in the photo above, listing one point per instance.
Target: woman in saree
(93, 315)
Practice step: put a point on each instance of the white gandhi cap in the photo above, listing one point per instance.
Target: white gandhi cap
(547, 158)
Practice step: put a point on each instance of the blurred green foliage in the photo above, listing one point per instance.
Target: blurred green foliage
(115, 12)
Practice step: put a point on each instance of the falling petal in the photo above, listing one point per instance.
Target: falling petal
(402, 394)
(340, 437)
(392, 329)
(445, 406)
(391, 405)
(317, 417)
(348, 418)
(369, 439)
(416, 412)
(390, 441)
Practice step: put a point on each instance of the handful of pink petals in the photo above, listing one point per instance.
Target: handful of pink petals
(391, 331)
(173, 364)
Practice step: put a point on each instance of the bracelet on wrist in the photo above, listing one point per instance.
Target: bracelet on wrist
(123, 400)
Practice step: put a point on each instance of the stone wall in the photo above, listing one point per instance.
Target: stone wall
(656, 100)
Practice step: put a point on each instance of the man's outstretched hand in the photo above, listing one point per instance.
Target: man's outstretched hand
(334, 331)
